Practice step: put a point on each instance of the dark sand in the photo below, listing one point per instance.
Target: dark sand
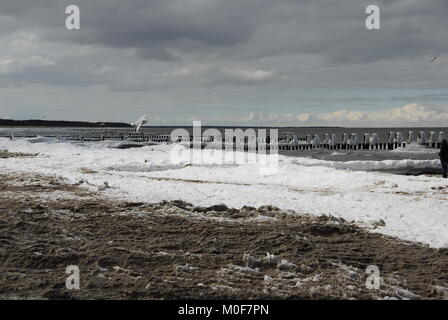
(5, 154)
(178, 251)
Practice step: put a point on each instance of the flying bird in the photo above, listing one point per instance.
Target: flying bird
(137, 124)
(433, 59)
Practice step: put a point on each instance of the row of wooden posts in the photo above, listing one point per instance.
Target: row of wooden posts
(287, 142)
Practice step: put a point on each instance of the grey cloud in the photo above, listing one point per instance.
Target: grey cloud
(154, 27)
(166, 30)
(251, 47)
(406, 115)
(55, 76)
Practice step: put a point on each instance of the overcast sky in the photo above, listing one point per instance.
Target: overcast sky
(226, 62)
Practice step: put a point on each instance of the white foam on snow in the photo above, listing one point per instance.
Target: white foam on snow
(413, 207)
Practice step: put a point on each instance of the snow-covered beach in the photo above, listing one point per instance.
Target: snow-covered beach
(413, 208)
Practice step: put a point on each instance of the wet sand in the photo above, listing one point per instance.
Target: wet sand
(174, 250)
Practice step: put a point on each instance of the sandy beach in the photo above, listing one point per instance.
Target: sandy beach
(174, 250)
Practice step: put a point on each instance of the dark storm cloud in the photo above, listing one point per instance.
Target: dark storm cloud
(156, 28)
(167, 29)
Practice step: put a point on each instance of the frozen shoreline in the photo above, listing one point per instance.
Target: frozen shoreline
(412, 207)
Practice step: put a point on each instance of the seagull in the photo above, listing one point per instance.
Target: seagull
(137, 124)
(433, 59)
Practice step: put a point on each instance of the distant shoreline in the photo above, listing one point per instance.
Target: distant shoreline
(85, 124)
(61, 123)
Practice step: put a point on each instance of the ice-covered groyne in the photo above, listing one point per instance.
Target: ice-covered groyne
(346, 141)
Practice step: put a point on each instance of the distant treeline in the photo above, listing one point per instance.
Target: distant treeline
(56, 123)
